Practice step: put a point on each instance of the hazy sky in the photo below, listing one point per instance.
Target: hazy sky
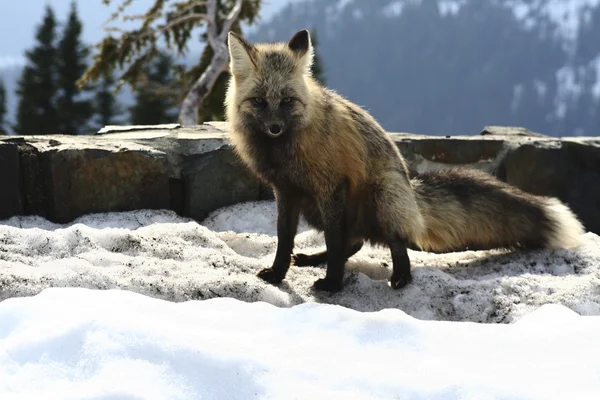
(18, 20)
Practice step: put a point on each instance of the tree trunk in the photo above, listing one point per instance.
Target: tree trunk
(188, 115)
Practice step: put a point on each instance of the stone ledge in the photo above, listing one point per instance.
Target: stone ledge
(193, 170)
(11, 198)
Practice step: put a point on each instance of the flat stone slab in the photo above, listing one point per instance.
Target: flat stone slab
(216, 179)
(100, 177)
(567, 169)
(193, 170)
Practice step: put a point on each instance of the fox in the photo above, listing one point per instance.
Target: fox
(328, 160)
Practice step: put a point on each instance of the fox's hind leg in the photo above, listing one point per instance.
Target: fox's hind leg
(399, 223)
(401, 275)
(312, 260)
(333, 211)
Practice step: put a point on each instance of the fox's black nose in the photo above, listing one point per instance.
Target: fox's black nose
(275, 129)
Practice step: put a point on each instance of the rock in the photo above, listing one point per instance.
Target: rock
(101, 178)
(216, 179)
(35, 197)
(192, 169)
(568, 169)
(509, 131)
(204, 173)
(11, 202)
(453, 150)
(424, 153)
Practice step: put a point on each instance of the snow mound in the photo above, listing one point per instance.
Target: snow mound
(567, 16)
(74, 343)
(162, 255)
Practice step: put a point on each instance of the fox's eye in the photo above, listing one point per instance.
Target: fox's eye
(259, 101)
(287, 100)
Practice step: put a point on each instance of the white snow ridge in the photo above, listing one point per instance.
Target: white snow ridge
(181, 315)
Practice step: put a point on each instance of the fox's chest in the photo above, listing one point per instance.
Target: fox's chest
(281, 166)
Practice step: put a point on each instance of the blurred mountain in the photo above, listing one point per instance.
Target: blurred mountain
(448, 67)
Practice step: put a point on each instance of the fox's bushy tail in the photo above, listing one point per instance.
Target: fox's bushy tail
(469, 209)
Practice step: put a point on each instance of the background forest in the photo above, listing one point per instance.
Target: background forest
(431, 66)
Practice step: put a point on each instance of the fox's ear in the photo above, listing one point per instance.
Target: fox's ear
(241, 55)
(301, 45)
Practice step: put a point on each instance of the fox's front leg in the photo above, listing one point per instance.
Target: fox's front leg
(333, 212)
(288, 215)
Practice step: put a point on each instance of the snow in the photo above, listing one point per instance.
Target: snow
(165, 256)
(357, 14)
(76, 343)
(541, 88)
(595, 65)
(516, 97)
(565, 14)
(181, 315)
(393, 9)
(450, 7)
(341, 4)
(568, 88)
(79, 343)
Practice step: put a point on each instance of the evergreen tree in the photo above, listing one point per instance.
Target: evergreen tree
(36, 113)
(317, 66)
(2, 107)
(108, 110)
(152, 105)
(74, 111)
(175, 22)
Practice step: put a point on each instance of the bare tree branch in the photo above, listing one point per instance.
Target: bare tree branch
(231, 18)
(211, 29)
(187, 18)
(188, 114)
(189, 7)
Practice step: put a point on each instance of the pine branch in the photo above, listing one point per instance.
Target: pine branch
(131, 49)
(119, 11)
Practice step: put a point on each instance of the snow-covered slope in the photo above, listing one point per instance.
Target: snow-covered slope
(159, 254)
(566, 15)
(532, 63)
(562, 19)
(68, 344)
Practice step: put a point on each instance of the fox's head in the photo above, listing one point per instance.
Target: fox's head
(268, 91)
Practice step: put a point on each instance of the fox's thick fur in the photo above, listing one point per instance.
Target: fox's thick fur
(330, 161)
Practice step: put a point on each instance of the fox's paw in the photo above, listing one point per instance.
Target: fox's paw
(400, 280)
(327, 285)
(301, 260)
(270, 275)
